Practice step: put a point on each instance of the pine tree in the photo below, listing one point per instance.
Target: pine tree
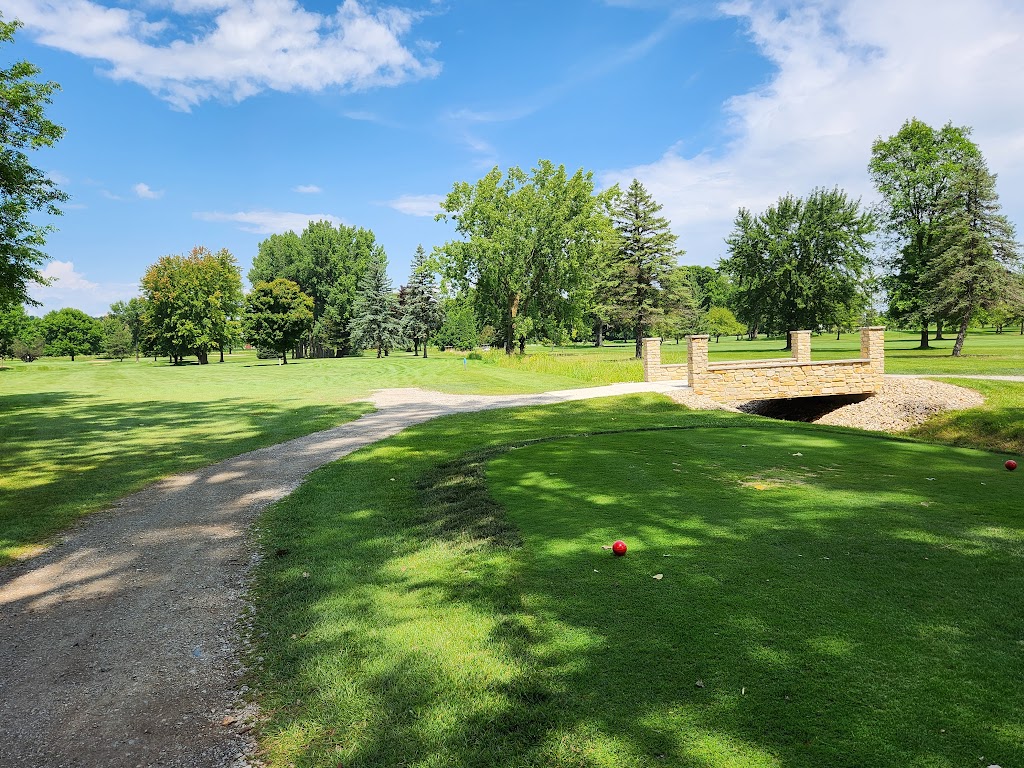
(974, 269)
(631, 291)
(422, 316)
(374, 316)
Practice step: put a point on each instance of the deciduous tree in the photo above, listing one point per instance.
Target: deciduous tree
(915, 171)
(191, 300)
(798, 264)
(529, 247)
(277, 315)
(24, 189)
(70, 332)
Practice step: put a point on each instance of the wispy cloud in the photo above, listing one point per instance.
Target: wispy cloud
(143, 190)
(307, 189)
(73, 289)
(187, 51)
(264, 222)
(846, 73)
(417, 205)
(110, 195)
(607, 62)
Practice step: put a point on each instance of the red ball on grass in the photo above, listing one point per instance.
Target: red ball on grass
(619, 548)
(1010, 464)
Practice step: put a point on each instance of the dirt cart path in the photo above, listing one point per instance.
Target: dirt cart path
(118, 645)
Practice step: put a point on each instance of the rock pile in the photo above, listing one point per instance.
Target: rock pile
(902, 404)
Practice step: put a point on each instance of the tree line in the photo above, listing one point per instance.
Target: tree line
(541, 255)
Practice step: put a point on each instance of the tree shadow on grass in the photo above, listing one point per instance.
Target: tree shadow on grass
(67, 454)
(831, 617)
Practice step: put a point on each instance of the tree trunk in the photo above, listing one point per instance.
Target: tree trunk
(638, 331)
(378, 353)
(284, 357)
(424, 350)
(600, 334)
(522, 345)
(204, 357)
(837, 332)
(961, 334)
(510, 325)
(938, 331)
(924, 337)
(222, 354)
(789, 342)
(415, 347)
(72, 358)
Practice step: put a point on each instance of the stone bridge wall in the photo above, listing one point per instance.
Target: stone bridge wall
(794, 376)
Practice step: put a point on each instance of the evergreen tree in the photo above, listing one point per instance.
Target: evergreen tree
(631, 292)
(374, 322)
(977, 255)
(422, 314)
(117, 337)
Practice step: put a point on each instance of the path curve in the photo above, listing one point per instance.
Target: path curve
(118, 645)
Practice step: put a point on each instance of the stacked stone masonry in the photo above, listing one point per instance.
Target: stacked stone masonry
(795, 376)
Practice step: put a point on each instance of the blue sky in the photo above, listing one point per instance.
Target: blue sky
(217, 122)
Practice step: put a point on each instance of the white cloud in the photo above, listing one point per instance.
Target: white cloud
(417, 205)
(58, 178)
(847, 72)
(307, 189)
(72, 289)
(263, 222)
(187, 51)
(110, 195)
(143, 191)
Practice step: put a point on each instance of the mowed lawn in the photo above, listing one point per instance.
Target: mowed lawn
(985, 353)
(77, 436)
(792, 596)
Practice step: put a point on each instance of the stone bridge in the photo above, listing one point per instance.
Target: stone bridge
(795, 376)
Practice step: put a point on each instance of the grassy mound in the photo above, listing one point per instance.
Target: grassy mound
(826, 598)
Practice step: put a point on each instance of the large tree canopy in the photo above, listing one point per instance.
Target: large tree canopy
(529, 248)
(191, 302)
(801, 263)
(277, 315)
(71, 332)
(915, 172)
(24, 189)
(326, 261)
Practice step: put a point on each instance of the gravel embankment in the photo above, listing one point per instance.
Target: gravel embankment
(902, 404)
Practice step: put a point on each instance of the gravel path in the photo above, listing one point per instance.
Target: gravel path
(117, 646)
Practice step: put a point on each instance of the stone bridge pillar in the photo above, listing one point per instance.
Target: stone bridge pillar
(650, 352)
(872, 346)
(696, 359)
(801, 346)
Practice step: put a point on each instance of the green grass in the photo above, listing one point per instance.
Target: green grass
(442, 598)
(77, 436)
(998, 425)
(986, 353)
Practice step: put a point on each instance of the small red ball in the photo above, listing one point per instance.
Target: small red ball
(619, 548)
(1010, 465)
